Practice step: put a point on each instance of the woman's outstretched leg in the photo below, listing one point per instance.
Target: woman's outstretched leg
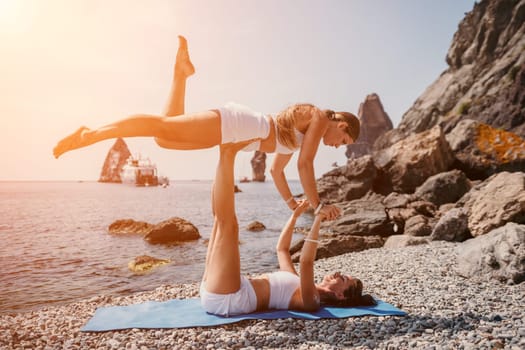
(188, 131)
(223, 262)
(152, 125)
(176, 101)
(182, 71)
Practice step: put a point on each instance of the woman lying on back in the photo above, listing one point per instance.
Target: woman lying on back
(224, 291)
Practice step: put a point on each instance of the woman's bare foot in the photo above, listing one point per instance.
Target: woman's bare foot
(71, 142)
(183, 65)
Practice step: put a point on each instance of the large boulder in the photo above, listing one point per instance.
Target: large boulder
(446, 187)
(500, 254)
(408, 163)
(397, 210)
(452, 226)
(361, 217)
(374, 123)
(494, 202)
(169, 231)
(115, 160)
(402, 208)
(362, 225)
(173, 230)
(482, 150)
(351, 181)
(418, 225)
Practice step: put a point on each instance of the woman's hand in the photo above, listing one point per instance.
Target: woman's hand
(301, 207)
(330, 212)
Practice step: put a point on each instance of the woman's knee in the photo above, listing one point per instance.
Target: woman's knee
(227, 226)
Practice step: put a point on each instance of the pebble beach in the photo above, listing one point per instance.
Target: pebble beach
(445, 311)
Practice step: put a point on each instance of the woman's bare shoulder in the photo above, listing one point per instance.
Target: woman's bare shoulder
(307, 116)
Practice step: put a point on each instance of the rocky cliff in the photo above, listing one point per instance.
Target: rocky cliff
(115, 160)
(485, 80)
(454, 169)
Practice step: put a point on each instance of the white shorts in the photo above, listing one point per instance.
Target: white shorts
(240, 123)
(242, 301)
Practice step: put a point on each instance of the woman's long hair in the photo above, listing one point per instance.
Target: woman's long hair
(353, 296)
(287, 119)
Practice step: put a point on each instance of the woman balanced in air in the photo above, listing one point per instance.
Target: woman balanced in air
(299, 127)
(224, 291)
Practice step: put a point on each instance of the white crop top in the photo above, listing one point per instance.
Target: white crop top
(283, 285)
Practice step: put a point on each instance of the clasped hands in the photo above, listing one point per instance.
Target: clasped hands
(327, 212)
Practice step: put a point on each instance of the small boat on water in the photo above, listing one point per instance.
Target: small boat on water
(141, 172)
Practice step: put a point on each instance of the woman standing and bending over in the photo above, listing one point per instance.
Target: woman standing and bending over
(224, 291)
(299, 127)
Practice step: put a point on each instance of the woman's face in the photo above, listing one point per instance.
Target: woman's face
(336, 135)
(338, 283)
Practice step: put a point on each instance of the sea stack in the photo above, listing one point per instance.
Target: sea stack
(115, 160)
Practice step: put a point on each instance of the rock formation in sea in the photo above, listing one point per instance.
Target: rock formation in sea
(256, 226)
(129, 227)
(374, 123)
(145, 263)
(454, 169)
(115, 160)
(258, 166)
(173, 230)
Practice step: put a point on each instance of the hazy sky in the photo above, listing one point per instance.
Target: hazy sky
(67, 63)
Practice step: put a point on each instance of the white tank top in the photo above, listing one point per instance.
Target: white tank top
(240, 123)
(283, 285)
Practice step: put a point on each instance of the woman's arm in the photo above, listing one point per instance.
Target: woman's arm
(305, 164)
(285, 239)
(306, 263)
(279, 178)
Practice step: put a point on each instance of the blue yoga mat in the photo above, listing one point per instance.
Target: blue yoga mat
(184, 313)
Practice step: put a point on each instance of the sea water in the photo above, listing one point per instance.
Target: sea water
(55, 246)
